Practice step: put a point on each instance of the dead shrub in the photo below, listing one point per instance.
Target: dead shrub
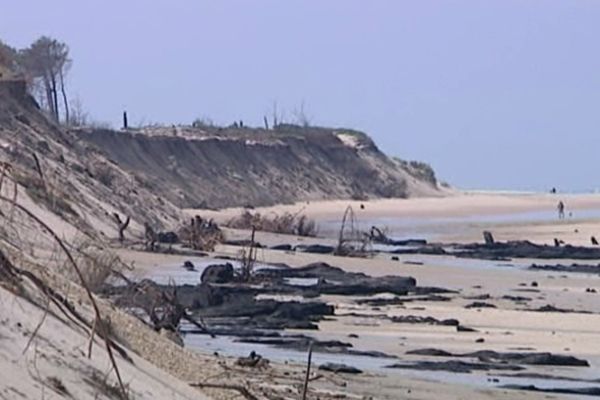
(97, 265)
(287, 223)
(201, 234)
(55, 200)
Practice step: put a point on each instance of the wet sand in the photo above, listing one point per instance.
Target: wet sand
(508, 327)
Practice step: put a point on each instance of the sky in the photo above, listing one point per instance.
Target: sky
(498, 94)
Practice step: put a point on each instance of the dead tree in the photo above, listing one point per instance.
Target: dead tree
(121, 226)
(377, 236)
(249, 259)
(171, 312)
(150, 236)
(488, 237)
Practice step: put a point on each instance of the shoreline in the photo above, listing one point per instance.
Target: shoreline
(506, 326)
(460, 204)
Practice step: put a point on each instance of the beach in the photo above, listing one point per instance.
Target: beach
(511, 316)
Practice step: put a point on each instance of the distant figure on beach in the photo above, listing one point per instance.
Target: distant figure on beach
(553, 190)
(594, 241)
(561, 210)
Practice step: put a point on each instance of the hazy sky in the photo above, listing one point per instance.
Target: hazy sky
(494, 94)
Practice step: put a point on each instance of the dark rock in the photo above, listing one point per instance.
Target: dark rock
(431, 352)
(586, 391)
(339, 368)
(428, 250)
(525, 249)
(301, 311)
(414, 319)
(488, 237)
(573, 268)
(394, 301)
(395, 258)
(534, 284)
(551, 308)
(244, 243)
(455, 366)
(408, 262)
(516, 298)
(218, 273)
(479, 297)
(333, 280)
(202, 296)
(315, 248)
(427, 290)
(167, 237)
(480, 304)
(479, 340)
(526, 290)
(285, 247)
(408, 242)
(189, 266)
(490, 356)
(461, 328)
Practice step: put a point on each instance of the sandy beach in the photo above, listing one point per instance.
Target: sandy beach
(503, 324)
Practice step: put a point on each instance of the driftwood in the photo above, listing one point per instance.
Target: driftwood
(488, 237)
(241, 389)
(121, 225)
(150, 237)
(351, 242)
(307, 378)
(173, 311)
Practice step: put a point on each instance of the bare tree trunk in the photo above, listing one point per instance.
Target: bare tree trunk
(48, 90)
(55, 97)
(64, 96)
(121, 225)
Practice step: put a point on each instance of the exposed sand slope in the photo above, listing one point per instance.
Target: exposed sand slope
(238, 166)
(77, 183)
(55, 364)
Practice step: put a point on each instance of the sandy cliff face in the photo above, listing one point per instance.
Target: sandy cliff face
(69, 179)
(86, 176)
(221, 167)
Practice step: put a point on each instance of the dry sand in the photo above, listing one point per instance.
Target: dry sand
(457, 204)
(506, 328)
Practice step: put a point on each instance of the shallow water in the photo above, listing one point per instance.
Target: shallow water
(433, 228)
(227, 346)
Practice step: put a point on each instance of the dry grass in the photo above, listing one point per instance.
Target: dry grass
(98, 265)
(201, 234)
(51, 197)
(287, 223)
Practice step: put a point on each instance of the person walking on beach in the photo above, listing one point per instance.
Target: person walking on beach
(561, 210)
